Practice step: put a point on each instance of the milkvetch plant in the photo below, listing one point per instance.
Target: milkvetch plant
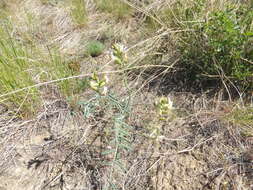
(119, 54)
(164, 112)
(164, 107)
(98, 84)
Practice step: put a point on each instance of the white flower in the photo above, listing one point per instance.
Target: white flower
(118, 54)
(121, 47)
(170, 104)
(104, 91)
(106, 79)
(94, 85)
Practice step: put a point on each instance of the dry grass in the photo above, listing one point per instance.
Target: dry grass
(117, 8)
(73, 141)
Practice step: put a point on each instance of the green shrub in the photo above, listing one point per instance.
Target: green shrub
(95, 48)
(214, 40)
(218, 44)
(115, 7)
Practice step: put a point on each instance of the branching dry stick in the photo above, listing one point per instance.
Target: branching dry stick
(156, 76)
(248, 61)
(143, 11)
